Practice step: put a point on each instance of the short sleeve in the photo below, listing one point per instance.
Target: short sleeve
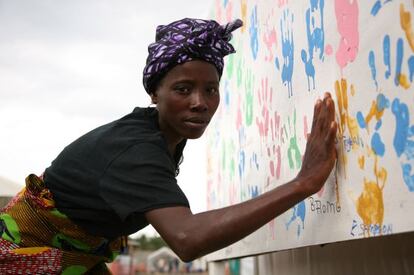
(140, 179)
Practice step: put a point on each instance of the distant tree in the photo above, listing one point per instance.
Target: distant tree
(152, 243)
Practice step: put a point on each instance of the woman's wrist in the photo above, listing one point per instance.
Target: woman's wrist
(305, 186)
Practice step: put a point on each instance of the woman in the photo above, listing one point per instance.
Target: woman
(120, 177)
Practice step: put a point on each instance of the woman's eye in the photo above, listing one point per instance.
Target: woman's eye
(213, 90)
(182, 89)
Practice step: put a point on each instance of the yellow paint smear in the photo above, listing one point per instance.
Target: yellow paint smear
(361, 162)
(243, 7)
(370, 152)
(405, 20)
(381, 174)
(352, 90)
(373, 112)
(340, 102)
(402, 79)
(370, 204)
(338, 201)
(346, 121)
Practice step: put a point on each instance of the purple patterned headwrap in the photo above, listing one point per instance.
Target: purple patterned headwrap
(184, 40)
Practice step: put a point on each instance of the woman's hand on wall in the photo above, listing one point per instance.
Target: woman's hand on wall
(320, 154)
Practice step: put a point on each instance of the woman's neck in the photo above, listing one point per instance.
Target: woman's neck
(171, 149)
(171, 139)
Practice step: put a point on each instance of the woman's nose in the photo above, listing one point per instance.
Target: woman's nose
(198, 102)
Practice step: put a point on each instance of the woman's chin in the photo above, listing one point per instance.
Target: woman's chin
(195, 134)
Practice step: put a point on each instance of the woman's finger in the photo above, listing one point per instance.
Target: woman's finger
(316, 111)
(330, 112)
(330, 138)
(326, 112)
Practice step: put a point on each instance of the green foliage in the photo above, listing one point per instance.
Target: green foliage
(152, 243)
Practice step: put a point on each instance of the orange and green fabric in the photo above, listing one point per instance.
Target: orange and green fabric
(35, 238)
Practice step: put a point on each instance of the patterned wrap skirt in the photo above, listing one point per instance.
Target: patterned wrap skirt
(35, 238)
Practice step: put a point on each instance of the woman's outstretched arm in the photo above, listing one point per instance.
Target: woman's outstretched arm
(192, 236)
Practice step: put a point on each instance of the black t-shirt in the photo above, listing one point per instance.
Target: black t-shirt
(107, 179)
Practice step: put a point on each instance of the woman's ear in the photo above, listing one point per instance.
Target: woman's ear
(154, 98)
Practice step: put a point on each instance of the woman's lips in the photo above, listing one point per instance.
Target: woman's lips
(197, 122)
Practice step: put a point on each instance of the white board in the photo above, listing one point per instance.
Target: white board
(288, 54)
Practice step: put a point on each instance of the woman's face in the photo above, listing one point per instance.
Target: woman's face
(187, 98)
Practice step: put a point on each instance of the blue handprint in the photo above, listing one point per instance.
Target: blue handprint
(299, 212)
(316, 38)
(399, 76)
(254, 41)
(287, 49)
(403, 141)
(378, 107)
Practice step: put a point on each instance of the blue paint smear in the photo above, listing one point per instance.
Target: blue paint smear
(409, 150)
(299, 212)
(371, 62)
(254, 162)
(411, 67)
(402, 119)
(377, 145)
(378, 124)
(287, 50)
(253, 191)
(226, 94)
(401, 142)
(242, 162)
(254, 41)
(309, 69)
(277, 63)
(387, 58)
(316, 39)
(319, 33)
(361, 120)
(376, 8)
(382, 102)
(408, 177)
(225, 2)
(399, 60)
(242, 135)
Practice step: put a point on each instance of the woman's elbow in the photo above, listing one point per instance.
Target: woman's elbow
(186, 247)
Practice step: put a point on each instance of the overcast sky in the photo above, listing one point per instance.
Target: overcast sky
(67, 67)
